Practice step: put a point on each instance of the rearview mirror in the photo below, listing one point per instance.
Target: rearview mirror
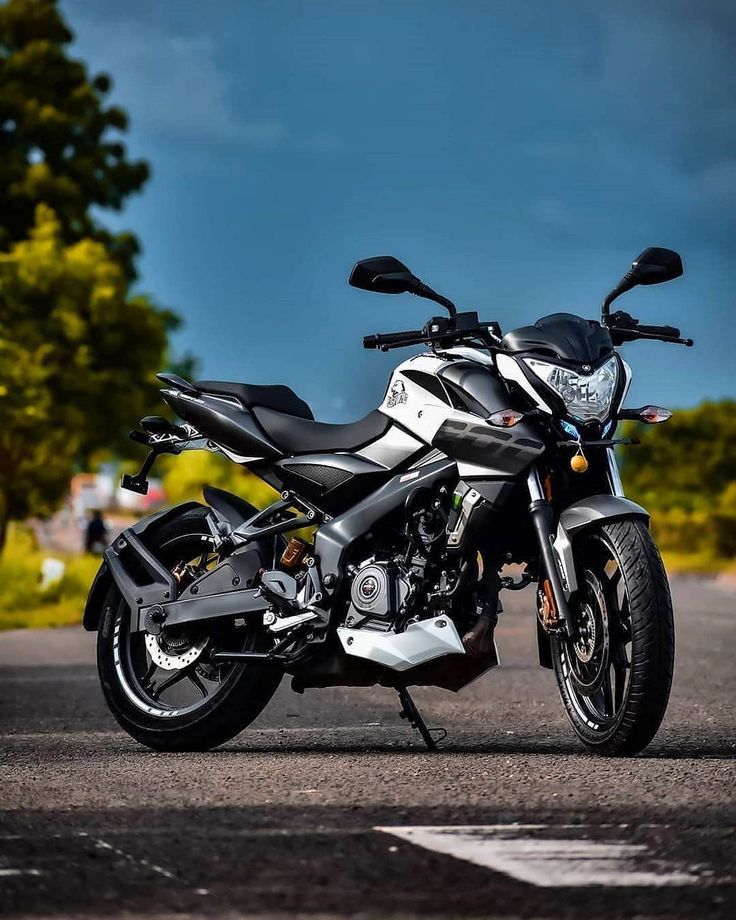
(384, 274)
(387, 275)
(653, 266)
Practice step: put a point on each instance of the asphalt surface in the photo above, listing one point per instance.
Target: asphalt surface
(282, 821)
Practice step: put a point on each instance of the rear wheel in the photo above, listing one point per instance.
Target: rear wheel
(615, 677)
(165, 690)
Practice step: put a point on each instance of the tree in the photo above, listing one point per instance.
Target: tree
(77, 356)
(77, 349)
(184, 477)
(56, 144)
(687, 462)
(684, 472)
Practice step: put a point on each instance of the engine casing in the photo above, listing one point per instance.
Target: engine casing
(377, 595)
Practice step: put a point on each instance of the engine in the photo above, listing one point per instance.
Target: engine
(379, 594)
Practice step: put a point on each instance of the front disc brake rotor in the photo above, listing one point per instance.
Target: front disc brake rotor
(588, 655)
(584, 645)
(174, 653)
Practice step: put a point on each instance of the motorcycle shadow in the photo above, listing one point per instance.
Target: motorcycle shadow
(558, 747)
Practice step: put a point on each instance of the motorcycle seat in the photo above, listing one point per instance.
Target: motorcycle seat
(278, 398)
(298, 435)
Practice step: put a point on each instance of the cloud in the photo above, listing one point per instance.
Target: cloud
(666, 68)
(552, 213)
(647, 135)
(174, 87)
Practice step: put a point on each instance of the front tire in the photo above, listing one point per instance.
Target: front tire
(222, 700)
(615, 678)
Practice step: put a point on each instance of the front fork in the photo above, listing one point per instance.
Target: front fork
(542, 515)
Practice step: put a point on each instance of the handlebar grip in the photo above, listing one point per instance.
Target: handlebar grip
(390, 339)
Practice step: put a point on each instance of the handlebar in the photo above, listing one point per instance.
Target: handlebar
(387, 340)
(463, 328)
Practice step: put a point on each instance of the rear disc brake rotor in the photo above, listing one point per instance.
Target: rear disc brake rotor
(174, 652)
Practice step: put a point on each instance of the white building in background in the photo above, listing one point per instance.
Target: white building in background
(101, 490)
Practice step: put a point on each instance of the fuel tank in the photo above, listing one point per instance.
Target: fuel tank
(445, 399)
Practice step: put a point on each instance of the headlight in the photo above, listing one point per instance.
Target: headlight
(586, 396)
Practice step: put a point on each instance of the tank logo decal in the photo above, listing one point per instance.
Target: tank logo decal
(397, 395)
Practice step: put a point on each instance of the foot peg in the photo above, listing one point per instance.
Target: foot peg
(430, 736)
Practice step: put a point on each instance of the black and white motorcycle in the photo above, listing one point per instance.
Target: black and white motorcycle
(486, 450)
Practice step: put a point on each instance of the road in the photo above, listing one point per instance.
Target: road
(328, 807)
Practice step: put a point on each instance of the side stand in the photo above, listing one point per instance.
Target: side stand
(409, 711)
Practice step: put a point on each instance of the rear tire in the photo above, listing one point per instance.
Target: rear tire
(242, 693)
(616, 699)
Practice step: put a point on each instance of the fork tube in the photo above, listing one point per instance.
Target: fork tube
(535, 486)
(614, 477)
(542, 515)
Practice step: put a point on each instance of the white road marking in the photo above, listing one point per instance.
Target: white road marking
(7, 873)
(558, 862)
(144, 863)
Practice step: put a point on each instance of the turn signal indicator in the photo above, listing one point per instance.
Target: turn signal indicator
(654, 415)
(505, 418)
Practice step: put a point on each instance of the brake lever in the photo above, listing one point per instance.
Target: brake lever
(659, 338)
(623, 328)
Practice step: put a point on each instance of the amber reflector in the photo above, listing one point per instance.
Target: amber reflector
(506, 418)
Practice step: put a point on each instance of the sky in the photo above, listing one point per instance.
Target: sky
(517, 156)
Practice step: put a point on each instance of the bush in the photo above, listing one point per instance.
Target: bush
(23, 603)
(684, 472)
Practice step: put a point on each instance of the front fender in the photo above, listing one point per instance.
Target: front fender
(103, 579)
(583, 514)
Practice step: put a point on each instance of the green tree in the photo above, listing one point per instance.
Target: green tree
(185, 476)
(78, 350)
(77, 355)
(59, 142)
(684, 472)
(687, 462)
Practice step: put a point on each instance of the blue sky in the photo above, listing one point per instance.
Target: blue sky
(517, 156)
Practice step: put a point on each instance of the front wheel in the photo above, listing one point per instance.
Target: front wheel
(615, 677)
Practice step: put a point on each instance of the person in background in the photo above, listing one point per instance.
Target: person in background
(95, 538)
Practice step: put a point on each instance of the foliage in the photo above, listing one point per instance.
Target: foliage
(684, 472)
(688, 462)
(185, 476)
(23, 603)
(76, 356)
(77, 350)
(55, 134)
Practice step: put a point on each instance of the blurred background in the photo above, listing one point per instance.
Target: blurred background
(185, 186)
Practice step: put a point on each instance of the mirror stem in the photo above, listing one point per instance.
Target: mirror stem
(606, 307)
(423, 290)
(624, 285)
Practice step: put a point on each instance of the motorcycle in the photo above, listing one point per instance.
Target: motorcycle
(383, 558)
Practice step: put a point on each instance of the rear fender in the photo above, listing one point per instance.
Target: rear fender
(228, 507)
(103, 579)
